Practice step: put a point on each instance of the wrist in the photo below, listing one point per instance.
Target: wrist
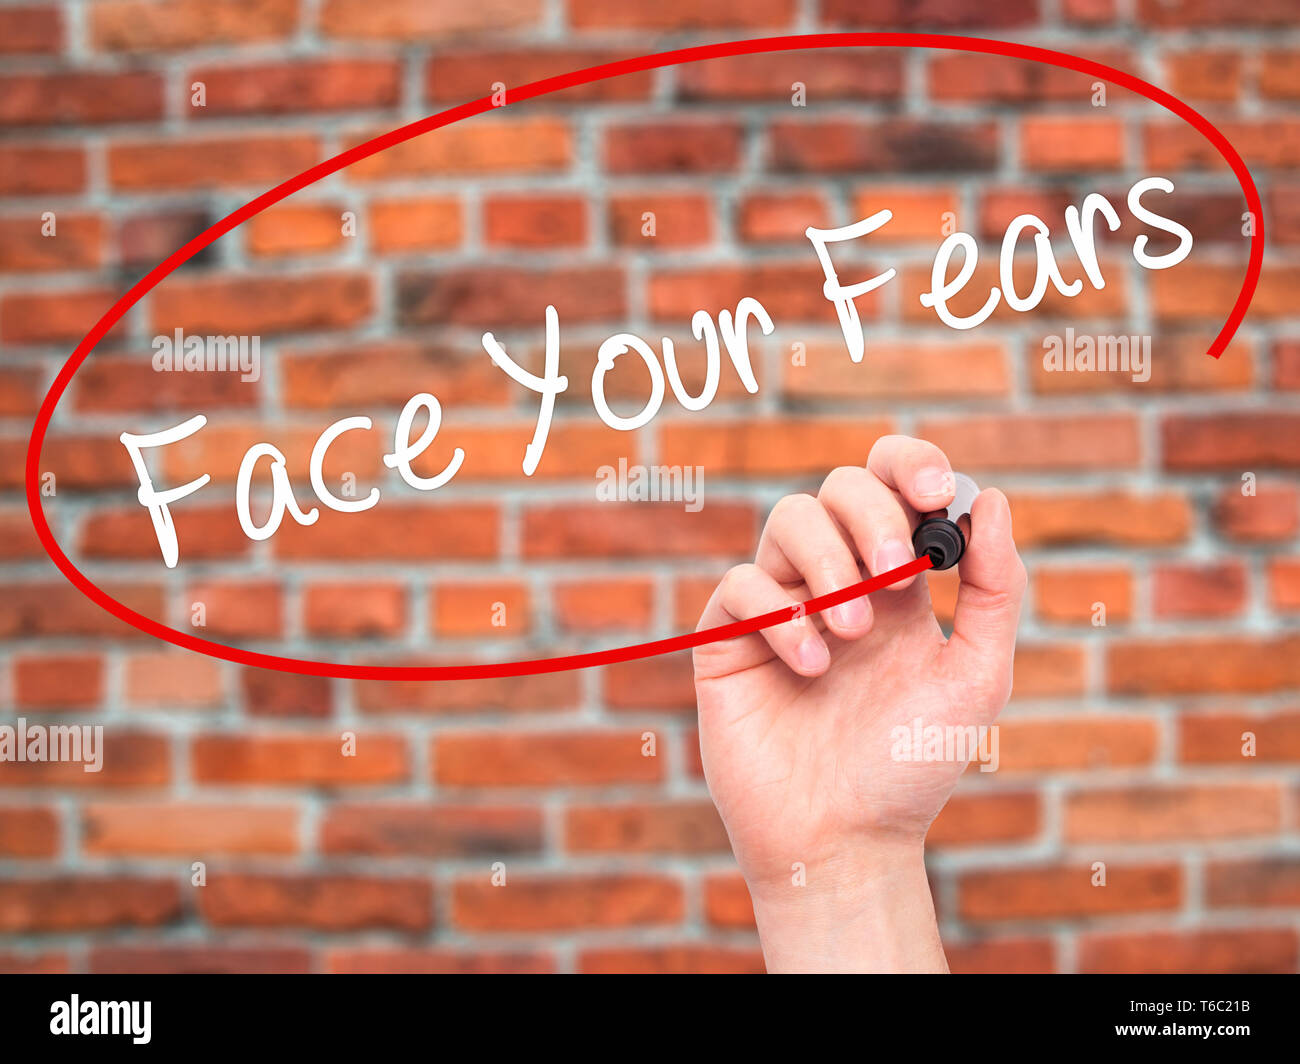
(866, 909)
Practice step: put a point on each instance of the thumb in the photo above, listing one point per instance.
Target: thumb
(987, 615)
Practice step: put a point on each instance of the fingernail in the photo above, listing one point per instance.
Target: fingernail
(812, 654)
(890, 555)
(852, 614)
(934, 483)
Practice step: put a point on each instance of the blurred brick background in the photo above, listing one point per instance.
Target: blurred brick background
(1122, 743)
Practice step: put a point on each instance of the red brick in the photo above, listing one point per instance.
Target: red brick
(204, 532)
(496, 298)
(885, 146)
(76, 244)
(30, 962)
(1066, 891)
(1203, 666)
(967, 77)
(58, 317)
(471, 74)
(543, 759)
(255, 306)
(322, 903)
(526, 146)
(113, 384)
(1244, 949)
(950, 14)
(411, 532)
(603, 605)
(1164, 813)
(640, 530)
(387, 374)
(672, 147)
(1262, 142)
(1220, 738)
(241, 610)
(147, 237)
(298, 759)
(405, 21)
(1022, 956)
(680, 220)
(390, 829)
(1231, 441)
(973, 819)
(1276, 73)
(59, 681)
(665, 682)
(1284, 584)
(1199, 590)
(827, 74)
(1204, 74)
(1272, 513)
(74, 98)
(422, 224)
(168, 959)
(144, 26)
(416, 961)
(765, 448)
(678, 827)
(31, 30)
(786, 290)
(173, 680)
(188, 830)
(567, 903)
(297, 87)
(41, 169)
(286, 694)
(295, 229)
(520, 694)
(29, 831)
(21, 391)
(128, 759)
(1105, 517)
(1067, 595)
(1202, 292)
(463, 609)
(60, 609)
(685, 959)
(1255, 882)
(906, 369)
(781, 217)
(258, 161)
(354, 611)
(84, 903)
(726, 902)
(1038, 441)
(537, 221)
(1091, 741)
(1071, 144)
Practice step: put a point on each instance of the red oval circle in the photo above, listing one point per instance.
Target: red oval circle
(526, 92)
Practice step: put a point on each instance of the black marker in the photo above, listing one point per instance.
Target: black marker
(939, 535)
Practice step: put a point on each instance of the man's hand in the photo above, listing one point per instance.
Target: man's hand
(796, 720)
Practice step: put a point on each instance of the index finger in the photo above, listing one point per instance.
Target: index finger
(916, 469)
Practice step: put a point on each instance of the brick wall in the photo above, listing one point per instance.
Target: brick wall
(1122, 743)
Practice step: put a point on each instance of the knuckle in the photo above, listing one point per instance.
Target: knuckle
(839, 480)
